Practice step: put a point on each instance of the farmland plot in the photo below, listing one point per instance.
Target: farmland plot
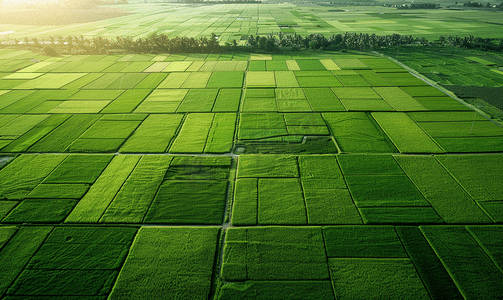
(102, 189)
(242, 176)
(273, 84)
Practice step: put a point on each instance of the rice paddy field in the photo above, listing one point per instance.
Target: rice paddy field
(233, 21)
(243, 176)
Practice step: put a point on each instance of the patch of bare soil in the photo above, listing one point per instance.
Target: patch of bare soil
(57, 16)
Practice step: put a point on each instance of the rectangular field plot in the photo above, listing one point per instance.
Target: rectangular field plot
(323, 99)
(162, 101)
(318, 81)
(478, 174)
(286, 79)
(441, 103)
(350, 63)
(357, 132)
(398, 99)
(185, 198)
(284, 133)
(275, 290)
(310, 64)
(100, 195)
(25, 173)
(474, 272)
(405, 133)
(228, 100)
(403, 79)
(50, 81)
(327, 198)
(446, 196)
(80, 261)
(135, 197)
(205, 133)
(174, 80)
(260, 79)
(363, 242)
(127, 101)
(280, 201)
(101, 188)
(168, 262)
(388, 190)
(462, 129)
(198, 100)
(375, 278)
(274, 253)
(229, 79)
(153, 135)
(276, 196)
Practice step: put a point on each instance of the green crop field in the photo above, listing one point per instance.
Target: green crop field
(222, 176)
(232, 21)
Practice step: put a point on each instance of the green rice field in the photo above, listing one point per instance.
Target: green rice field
(243, 176)
(232, 21)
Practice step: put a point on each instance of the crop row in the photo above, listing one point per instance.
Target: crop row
(269, 189)
(343, 262)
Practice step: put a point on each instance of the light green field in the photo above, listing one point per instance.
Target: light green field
(236, 20)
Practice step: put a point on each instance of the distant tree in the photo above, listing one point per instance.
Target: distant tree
(50, 51)
(473, 4)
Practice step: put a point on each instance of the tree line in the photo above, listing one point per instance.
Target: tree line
(420, 6)
(161, 43)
